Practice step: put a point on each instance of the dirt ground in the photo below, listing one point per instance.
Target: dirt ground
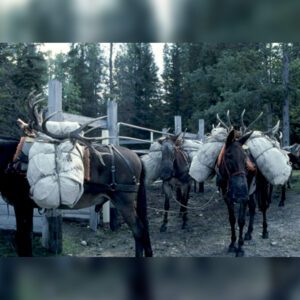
(208, 233)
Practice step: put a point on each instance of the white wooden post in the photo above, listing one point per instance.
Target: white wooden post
(112, 124)
(94, 218)
(106, 205)
(201, 130)
(178, 125)
(52, 220)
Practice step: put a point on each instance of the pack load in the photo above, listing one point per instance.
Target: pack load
(55, 170)
(152, 160)
(203, 163)
(272, 161)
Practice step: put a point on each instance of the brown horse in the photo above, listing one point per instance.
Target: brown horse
(234, 181)
(116, 174)
(174, 173)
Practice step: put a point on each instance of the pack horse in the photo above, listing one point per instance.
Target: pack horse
(115, 173)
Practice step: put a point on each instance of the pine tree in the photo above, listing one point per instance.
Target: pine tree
(137, 86)
(24, 69)
(86, 68)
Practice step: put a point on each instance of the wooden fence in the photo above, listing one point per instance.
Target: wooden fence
(110, 129)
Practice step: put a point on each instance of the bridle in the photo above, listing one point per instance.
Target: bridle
(229, 175)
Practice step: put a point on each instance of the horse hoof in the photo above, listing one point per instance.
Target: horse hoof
(265, 235)
(163, 228)
(186, 227)
(239, 253)
(281, 204)
(231, 249)
(248, 237)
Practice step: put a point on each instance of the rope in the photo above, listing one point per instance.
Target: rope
(185, 206)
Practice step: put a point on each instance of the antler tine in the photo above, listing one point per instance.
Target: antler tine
(37, 114)
(228, 119)
(33, 100)
(243, 127)
(75, 134)
(184, 133)
(276, 127)
(258, 117)
(92, 129)
(223, 123)
(47, 132)
(273, 130)
(83, 126)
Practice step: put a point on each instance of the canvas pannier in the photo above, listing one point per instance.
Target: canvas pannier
(55, 170)
(272, 161)
(203, 163)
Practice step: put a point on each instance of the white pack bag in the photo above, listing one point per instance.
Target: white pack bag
(272, 161)
(203, 163)
(55, 171)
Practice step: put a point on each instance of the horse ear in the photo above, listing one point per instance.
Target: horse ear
(161, 139)
(230, 139)
(244, 138)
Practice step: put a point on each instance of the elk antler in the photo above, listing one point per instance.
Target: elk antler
(223, 123)
(36, 117)
(228, 119)
(75, 134)
(272, 132)
(38, 123)
(245, 128)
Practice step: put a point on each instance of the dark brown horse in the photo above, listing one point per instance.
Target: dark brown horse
(235, 180)
(116, 174)
(174, 173)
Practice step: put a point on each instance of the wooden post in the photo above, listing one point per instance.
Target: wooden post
(55, 100)
(94, 218)
(201, 130)
(52, 220)
(177, 125)
(106, 206)
(112, 124)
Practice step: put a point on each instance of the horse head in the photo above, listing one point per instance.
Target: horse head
(168, 146)
(233, 165)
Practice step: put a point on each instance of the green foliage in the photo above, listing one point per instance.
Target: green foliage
(22, 68)
(82, 72)
(137, 86)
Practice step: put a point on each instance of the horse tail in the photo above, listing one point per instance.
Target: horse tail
(142, 200)
(142, 213)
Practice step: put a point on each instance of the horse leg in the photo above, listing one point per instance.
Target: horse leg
(168, 194)
(24, 222)
(241, 222)
(251, 203)
(283, 196)
(232, 220)
(265, 233)
(201, 187)
(125, 203)
(185, 191)
(264, 206)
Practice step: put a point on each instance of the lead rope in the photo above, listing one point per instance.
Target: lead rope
(187, 206)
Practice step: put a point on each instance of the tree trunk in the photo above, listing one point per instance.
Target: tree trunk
(111, 72)
(285, 108)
